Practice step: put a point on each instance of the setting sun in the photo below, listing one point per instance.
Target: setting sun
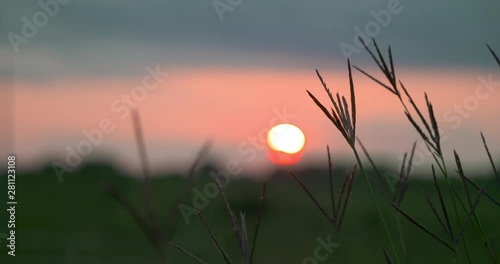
(286, 138)
(286, 142)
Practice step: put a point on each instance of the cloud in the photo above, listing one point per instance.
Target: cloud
(121, 37)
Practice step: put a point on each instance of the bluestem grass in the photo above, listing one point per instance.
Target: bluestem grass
(239, 229)
(475, 220)
(415, 222)
(340, 117)
(346, 124)
(343, 116)
(431, 136)
(387, 189)
(446, 226)
(150, 223)
(468, 180)
(339, 208)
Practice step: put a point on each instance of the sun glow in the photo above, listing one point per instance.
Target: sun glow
(286, 138)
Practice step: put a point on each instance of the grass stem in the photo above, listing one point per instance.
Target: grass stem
(386, 229)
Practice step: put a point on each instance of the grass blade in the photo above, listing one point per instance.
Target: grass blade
(384, 186)
(259, 218)
(410, 161)
(434, 211)
(489, 157)
(436, 136)
(330, 177)
(192, 177)
(148, 192)
(132, 210)
(387, 257)
(419, 130)
(232, 217)
(382, 60)
(461, 173)
(419, 113)
(341, 197)
(214, 239)
(372, 55)
(353, 102)
(374, 79)
(151, 233)
(311, 196)
(340, 109)
(484, 192)
(347, 118)
(325, 86)
(494, 55)
(402, 178)
(351, 176)
(335, 121)
(244, 238)
(193, 257)
(393, 72)
(469, 215)
(413, 221)
(441, 200)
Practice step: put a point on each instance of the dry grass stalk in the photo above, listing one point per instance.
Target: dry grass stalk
(150, 224)
(259, 219)
(340, 116)
(240, 230)
(340, 208)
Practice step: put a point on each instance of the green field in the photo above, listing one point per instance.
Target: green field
(76, 222)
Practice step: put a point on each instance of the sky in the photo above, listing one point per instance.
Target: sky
(227, 70)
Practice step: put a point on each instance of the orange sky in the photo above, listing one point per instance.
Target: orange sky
(231, 105)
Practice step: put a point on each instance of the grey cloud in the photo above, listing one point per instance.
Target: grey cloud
(121, 37)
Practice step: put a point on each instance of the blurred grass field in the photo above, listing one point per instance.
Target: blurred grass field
(76, 222)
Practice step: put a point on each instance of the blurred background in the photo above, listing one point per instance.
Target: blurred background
(71, 72)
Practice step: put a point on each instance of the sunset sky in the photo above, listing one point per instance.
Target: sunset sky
(229, 76)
